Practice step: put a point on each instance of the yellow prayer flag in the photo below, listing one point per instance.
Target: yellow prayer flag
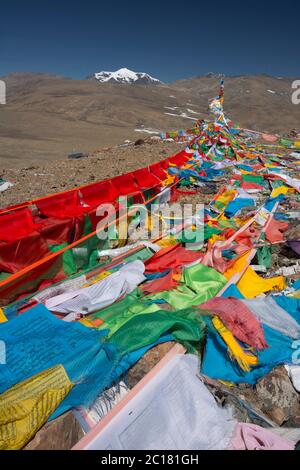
(2, 316)
(238, 266)
(251, 284)
(25, 407)
(280, 190)
(244, 359)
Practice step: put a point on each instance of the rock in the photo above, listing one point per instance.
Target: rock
(76, 155)
(277, 415)
(147, 362)
(60, 434)
(31, 168)
(279, 399)
(139, 142)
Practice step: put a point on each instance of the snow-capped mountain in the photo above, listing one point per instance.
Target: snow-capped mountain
(126, 76)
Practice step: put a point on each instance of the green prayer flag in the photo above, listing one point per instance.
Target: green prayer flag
(185, 325)
(199, 284)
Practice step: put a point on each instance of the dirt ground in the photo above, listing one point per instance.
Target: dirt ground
(40, 180)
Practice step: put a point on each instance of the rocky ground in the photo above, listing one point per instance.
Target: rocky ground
(35, 181)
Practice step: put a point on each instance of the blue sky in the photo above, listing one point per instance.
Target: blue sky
(168, 39)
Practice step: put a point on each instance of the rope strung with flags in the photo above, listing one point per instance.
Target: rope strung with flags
(216, 106)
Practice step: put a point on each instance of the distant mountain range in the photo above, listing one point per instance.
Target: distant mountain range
(47, 116)
(126, 76)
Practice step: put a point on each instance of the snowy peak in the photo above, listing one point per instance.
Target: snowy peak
(126, 76)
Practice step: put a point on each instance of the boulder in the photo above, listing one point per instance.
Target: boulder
(279, 399)
(147, 362)
(60, 434)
